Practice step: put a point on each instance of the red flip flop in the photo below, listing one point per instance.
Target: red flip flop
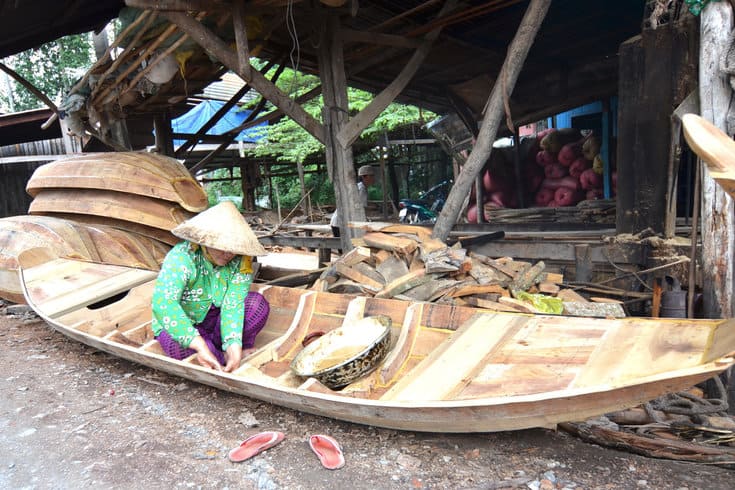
(328, 451)
(254, 445)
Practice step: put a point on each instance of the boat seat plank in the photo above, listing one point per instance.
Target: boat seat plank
(92, 290)
(461, 355)
(502, 380)
(644, 346)
(131, 311)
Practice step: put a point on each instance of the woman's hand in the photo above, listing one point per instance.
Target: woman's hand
(233, 355)
(204, 355)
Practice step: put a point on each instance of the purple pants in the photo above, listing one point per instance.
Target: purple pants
(256, 314)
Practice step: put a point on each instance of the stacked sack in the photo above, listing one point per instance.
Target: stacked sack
(567, 167)
(561, 168)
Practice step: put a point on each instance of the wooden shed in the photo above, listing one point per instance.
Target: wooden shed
(496, 64)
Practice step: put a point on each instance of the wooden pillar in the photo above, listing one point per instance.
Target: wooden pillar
(717, 211)
(339, 158)
(164, 141)
(494, 112)
(657, 72)
(304, 205)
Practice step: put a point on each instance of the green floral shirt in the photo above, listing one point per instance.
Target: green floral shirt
(186, 287)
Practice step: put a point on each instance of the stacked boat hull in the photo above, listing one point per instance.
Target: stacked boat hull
(109, 208)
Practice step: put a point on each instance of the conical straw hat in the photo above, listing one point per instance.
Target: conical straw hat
(221, 227)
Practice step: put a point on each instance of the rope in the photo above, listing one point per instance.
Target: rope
(687, 404)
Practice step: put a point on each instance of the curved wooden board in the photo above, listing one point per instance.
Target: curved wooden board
(145, 174)
(133, 208)
(66, 238)
(714, 147)
(157, 234)
(522, 376)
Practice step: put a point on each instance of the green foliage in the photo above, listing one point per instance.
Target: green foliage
(215, 190)
(52, 67)
(288, 142)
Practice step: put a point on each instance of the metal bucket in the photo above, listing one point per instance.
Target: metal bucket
(673, 302)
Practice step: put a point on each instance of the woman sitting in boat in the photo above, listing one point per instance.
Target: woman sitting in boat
(201, 301)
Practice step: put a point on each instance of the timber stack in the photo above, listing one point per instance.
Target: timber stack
(405, 262)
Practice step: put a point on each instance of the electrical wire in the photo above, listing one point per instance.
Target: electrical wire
(295, 47)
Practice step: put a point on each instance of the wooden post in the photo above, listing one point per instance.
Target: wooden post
(494, 112)
(339, 158)
(164, 142)
(657, 72)
(717, 211)
(302, 184)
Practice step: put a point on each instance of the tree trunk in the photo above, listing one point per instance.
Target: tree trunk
(717, 211)
(494, 112)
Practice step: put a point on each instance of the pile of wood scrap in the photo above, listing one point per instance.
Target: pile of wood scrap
(405, 262)
(680, 426)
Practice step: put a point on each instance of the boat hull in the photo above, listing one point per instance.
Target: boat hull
(554, 369)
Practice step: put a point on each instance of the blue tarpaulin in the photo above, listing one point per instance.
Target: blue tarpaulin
(193, 120)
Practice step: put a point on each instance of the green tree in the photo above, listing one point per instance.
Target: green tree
(287, 141)
(52, 67)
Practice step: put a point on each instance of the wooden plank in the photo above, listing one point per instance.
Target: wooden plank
(155, 213)
(404, 283)
(571, 296)
(452, 364)
(519, 305)
(644, 346)
(355, 256)
(299, 327)
(402, 349)
(479, 289)
(356, 276)
(143, 173)
(392, 268)
(89, 288)
(598, 310)
(389, 242)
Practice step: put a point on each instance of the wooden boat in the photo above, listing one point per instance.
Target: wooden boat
(447, 369)
(66, 238)
(120, 206)
(714, 147)
(145, 174)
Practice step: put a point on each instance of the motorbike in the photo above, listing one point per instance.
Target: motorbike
(426, 208)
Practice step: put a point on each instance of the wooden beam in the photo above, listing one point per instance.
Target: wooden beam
(217, 48)
(352, 35)
(351, 131)
(232, 133)
(30, 87)
(241, 37)
(191, 140)
(494, 112)
(174, 5)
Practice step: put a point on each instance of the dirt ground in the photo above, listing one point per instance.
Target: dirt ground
(72, 417)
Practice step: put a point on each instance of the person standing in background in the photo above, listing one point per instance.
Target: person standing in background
(365, 178)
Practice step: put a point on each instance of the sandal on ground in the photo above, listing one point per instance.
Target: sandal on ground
(254, 445)
(328, 451)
